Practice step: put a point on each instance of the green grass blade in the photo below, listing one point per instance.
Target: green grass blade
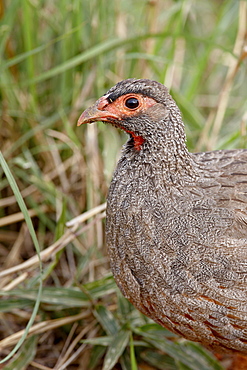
(106, 319)
(28, 220)
(132, 354)
(115, 350)
(25, 356)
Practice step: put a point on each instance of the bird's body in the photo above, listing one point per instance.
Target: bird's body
(176, 222)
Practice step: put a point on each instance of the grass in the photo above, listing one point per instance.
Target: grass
(56, 59)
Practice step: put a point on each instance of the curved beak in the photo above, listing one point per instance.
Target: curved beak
(97, 112)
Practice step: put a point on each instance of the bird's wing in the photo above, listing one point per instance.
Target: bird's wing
(229, 173)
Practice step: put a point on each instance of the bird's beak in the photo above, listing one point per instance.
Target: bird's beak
(97, 112)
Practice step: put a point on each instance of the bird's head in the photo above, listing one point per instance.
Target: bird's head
(143, 108)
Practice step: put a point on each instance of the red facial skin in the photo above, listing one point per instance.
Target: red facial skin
(116, 111)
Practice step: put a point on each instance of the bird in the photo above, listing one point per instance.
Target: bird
(176, 222)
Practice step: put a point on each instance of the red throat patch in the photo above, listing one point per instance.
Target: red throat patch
(138, 140)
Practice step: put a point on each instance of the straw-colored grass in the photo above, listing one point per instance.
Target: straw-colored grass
(57, 57)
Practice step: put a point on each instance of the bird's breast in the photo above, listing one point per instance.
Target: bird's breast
(174, 255)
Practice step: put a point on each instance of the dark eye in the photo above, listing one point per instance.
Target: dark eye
(132, 103)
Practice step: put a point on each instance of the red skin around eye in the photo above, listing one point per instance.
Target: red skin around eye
(117, 111)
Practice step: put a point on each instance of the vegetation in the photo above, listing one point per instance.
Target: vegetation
(57, 57)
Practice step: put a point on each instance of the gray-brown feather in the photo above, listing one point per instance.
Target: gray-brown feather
(177, 231)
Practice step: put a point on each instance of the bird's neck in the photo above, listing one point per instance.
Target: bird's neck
(162, 157)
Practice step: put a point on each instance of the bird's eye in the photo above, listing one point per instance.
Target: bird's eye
(132, 103)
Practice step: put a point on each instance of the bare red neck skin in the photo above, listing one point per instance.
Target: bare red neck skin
(138, 140)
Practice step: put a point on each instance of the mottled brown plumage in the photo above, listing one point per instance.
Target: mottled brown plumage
(176, 222)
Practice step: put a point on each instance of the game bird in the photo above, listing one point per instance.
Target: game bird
(176, 226)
